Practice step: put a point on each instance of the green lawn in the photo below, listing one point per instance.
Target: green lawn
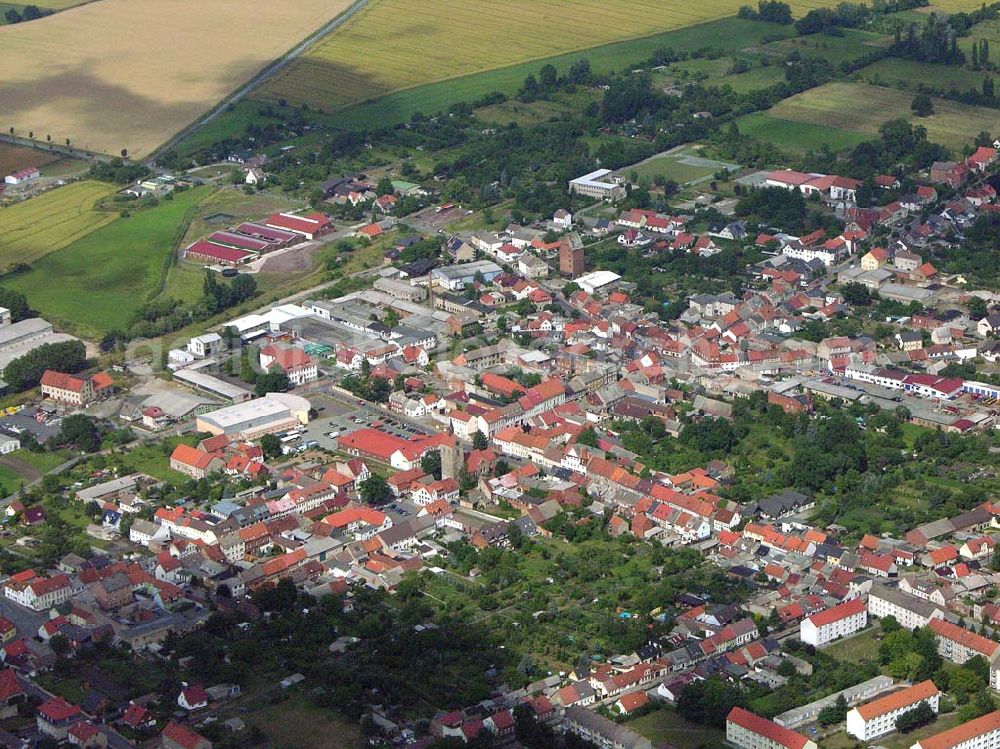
(717, 73)
(154, 459)
(104, 277)
(10, 481)
(863, 109)
(862, 647)
(531, 113)
(854, 44)
(798, 136)
(910, 75)
(665, 726)
(25, 466)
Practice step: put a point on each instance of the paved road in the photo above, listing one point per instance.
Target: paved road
(262, 76)
(26, 620)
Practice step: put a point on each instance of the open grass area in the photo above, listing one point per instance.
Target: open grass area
(531, 113)
(666, 727)
(798, 136)
(107, 275)
(862, 647)
(718, 72)
(51, 221)
(26, 466)
(297, 723)
(154, 459)
(862, 108)
(128, 74)
(911, 75)
(854, 44)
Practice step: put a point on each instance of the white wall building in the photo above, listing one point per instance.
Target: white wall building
(981, 733)
(911, 612)
(750, 731)
(878, 717)
(598, 185)
(835, 622)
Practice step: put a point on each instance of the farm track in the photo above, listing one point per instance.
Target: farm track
(263, 76)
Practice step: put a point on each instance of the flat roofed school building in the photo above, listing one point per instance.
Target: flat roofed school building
(594, 185)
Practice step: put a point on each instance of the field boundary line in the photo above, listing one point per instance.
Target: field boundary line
(261, 77)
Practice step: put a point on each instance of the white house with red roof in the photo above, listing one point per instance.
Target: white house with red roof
(837, 621)
(293, 361)
(39, 593)
(193, 697)
(750, 731)
(878, 717)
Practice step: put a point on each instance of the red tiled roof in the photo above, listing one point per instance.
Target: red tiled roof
(192, 456)
(903, 698)
(58, 710)
(838, 612)
(963, 636)
(183, 736)
(63, 381)
(9, 685)
(766, 728)
(218, 252)
(962, 733)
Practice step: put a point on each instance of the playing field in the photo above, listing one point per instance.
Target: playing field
(682, 165)
(128, 74)
(51, 221)
(862, 108)
(398, 44)
(105, 276)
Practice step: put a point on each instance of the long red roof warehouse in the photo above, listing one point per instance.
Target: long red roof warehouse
(217, 251)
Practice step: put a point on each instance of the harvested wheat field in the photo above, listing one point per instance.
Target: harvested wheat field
(129, 74)
(397, 44)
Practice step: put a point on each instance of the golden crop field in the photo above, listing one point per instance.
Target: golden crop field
(117, 74)
(396, 44)
(60, 4)
(51, 221)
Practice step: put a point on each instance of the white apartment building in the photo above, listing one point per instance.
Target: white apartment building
(878, 717)
(958, 645)
(833, 623)
(909, 611)
(981, 733)
(750, 731)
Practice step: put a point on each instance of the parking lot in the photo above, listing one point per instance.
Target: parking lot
(338, 416)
